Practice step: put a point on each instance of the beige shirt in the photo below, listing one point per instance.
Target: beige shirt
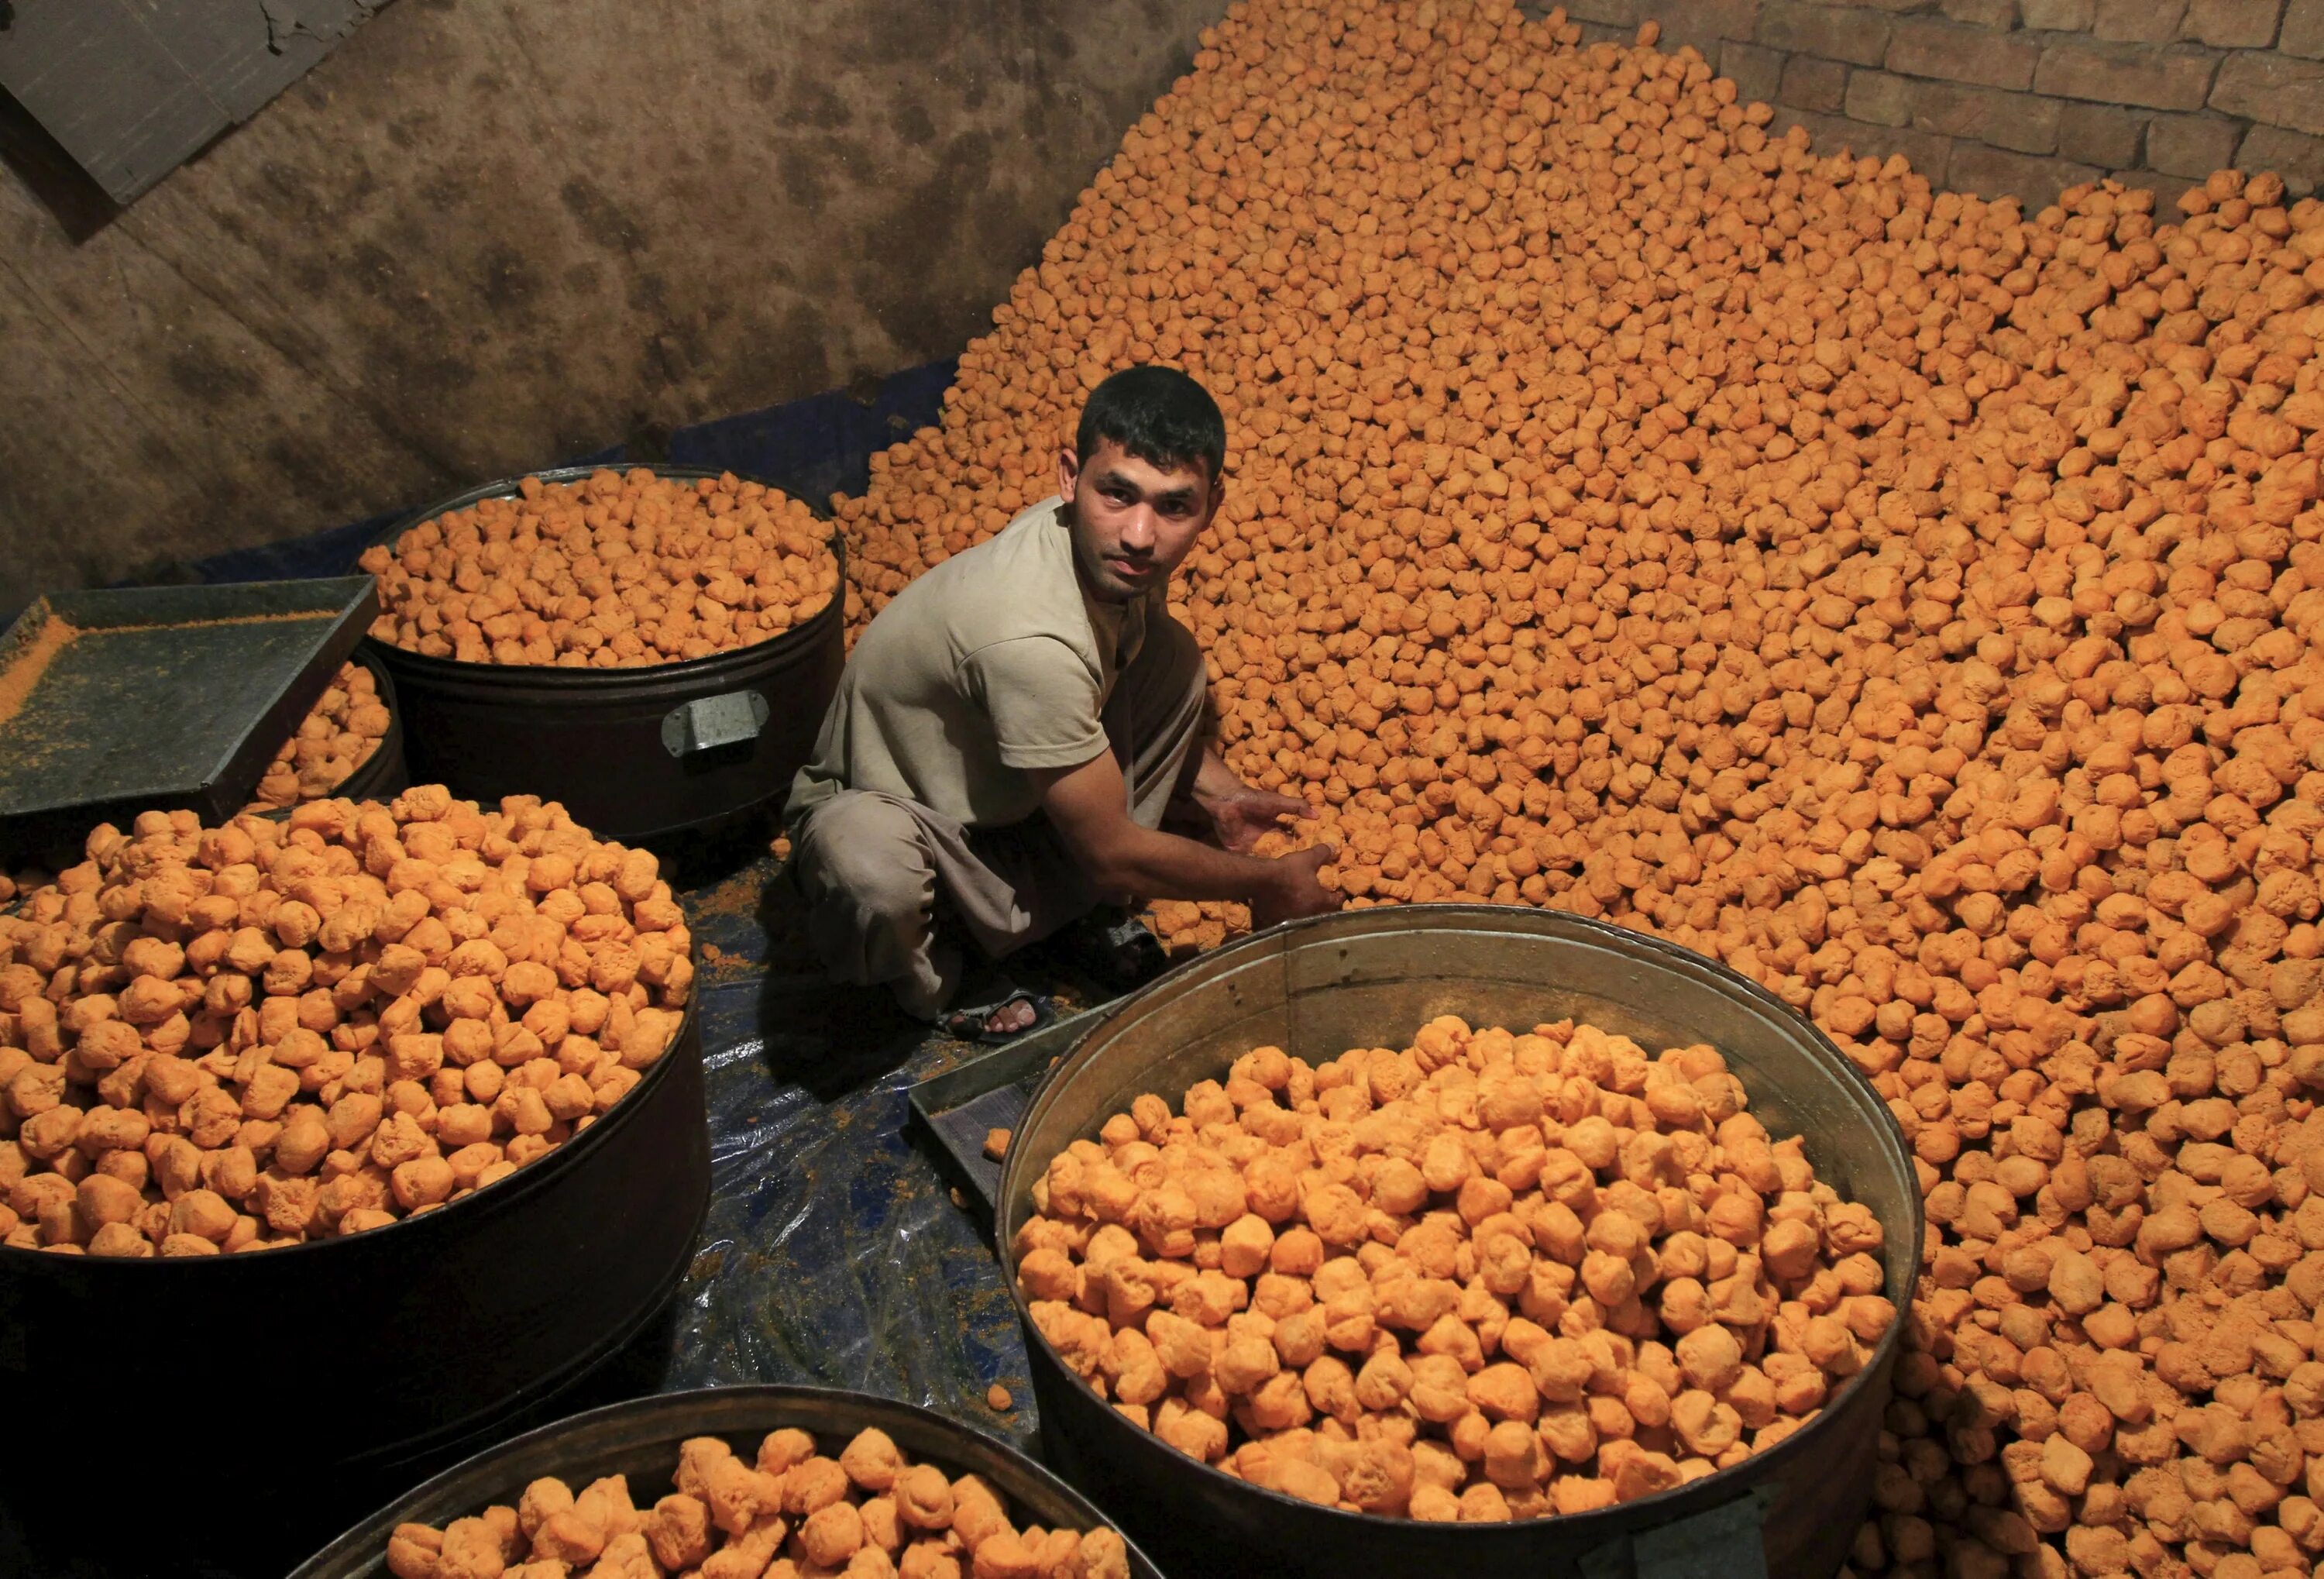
(993, 664)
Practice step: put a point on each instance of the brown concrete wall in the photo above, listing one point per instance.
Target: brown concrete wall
(2023, 98)
(487, 234)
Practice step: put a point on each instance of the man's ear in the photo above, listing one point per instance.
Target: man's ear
(1069, 471)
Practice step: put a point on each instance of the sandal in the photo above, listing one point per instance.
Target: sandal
(969, 1021)
(1112, 946)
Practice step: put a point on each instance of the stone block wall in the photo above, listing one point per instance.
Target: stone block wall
(2023, 98)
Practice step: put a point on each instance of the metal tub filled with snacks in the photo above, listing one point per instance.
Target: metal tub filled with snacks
(1462, 1239)
(742, 1480)
(654, 647)
(389, 1117)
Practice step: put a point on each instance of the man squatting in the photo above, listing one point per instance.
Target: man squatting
(1013, 734)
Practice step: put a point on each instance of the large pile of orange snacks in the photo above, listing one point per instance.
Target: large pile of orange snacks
(274, 1031)
(1484, 1276)
(618, 569)
(1903, 600)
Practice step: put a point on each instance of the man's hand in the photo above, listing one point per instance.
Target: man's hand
(1241, 817)
(1240, 814)
(1089, 808)
(1295, 891)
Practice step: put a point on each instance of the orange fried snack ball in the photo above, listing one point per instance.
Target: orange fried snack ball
(789, 1510)
(338, 736)
(615, 570)
(1468, 1279)
(225, 1039)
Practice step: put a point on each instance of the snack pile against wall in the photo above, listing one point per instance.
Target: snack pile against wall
(1912, 603)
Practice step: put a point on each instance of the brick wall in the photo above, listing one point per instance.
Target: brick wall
(2023, 97)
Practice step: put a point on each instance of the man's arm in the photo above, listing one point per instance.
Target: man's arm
(1089, 808)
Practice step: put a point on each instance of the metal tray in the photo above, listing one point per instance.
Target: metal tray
(957, 1108)
(161, 697)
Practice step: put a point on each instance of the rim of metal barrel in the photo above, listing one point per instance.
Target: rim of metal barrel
(527, 1180)
(1657, 951)
(708, 667)
(712, 1411)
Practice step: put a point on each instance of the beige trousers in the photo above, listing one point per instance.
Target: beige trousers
(889, 884)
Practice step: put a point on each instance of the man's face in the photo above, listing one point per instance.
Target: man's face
(1133, 521)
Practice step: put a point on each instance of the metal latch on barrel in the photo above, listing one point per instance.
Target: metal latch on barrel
(707, 723)
(1722, 1542)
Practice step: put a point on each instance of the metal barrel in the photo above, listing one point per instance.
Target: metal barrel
(294, 1383)
(1370, 978)
(636, 753)
(640, 1439)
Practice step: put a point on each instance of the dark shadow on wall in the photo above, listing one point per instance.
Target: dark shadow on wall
(811, 447)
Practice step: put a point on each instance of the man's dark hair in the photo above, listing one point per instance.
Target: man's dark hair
(1158, 414)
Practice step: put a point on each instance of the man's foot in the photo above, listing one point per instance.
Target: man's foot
(995, 1013)
(1015, 1015)
(1113, 947)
